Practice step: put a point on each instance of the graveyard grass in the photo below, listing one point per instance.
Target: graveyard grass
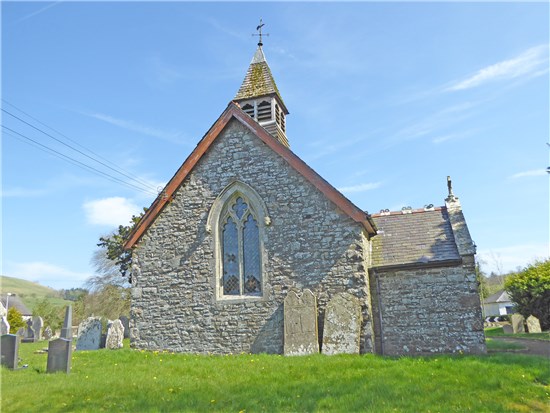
(141, 381)
(499, 332)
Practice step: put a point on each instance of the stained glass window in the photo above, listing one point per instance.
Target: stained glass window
(241, 250)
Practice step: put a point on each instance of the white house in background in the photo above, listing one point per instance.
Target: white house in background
(498, 304)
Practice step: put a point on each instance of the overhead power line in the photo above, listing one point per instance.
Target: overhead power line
(117, 169)
(73, 161)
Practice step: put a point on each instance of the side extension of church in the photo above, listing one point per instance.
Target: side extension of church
(244, 221)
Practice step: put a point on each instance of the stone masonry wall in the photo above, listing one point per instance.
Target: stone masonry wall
(427, 310)
(309, 244)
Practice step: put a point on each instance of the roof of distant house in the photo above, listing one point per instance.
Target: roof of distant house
(418, 237)
(498, 297)
(16, 302)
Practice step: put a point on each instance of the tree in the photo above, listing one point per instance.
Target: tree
(530, 291)
(15, 320)
(53, 316)
(114, 244)
(481, 282)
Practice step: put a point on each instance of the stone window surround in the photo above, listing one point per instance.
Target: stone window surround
(214, 226)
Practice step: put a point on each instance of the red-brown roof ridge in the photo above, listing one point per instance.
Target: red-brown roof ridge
(234, 112)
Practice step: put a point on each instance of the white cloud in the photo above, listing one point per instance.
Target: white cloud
(173, 137)
(111, 212)
(532, 62)
(533, 172)
(47, 274)
(506, 259)
(360, 187)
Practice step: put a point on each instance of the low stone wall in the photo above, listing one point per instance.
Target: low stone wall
(427, 310)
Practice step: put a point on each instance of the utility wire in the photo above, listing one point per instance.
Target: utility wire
(73, 161)
(143, 183)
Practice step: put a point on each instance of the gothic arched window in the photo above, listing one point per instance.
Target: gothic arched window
(238, 218)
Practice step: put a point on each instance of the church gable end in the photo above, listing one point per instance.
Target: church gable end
(184, 300)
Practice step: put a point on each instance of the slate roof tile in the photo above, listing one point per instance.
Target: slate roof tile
(424, 236)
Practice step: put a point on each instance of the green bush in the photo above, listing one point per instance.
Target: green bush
(15, 319)
(530, 291)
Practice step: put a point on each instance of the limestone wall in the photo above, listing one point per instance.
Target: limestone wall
(427, 310)
(308, 244)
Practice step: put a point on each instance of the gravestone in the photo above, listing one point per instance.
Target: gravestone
(300, 320)
(59, 355)
(507, 329)
(9, 353)
(4, 326)
(126, 323)
(517, 323)
(21, 332)
(67, 329)
(115, 335)
(89, 334)
(37, 325)
(342, 327)
(48, 333)
(3, 311)
(533, 324)
(28, 336)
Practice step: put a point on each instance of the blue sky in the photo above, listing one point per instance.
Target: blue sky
(385, 101)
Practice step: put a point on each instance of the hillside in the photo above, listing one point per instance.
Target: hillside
(29, 292)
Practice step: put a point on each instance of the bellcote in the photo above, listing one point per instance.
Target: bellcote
(259, 97)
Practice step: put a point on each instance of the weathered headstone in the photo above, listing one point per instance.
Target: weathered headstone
(115, 335)
(507, 329)
(126, 323)
(300, 320)
(67, 329)
(29, 333)
(59, 355)
(37, 325)
(4, 326)
(342, 327)
(3, 311)
(533, 324)
(517, 323)
(21, 332)
(9, 353)
(48, 333)
(89, 334)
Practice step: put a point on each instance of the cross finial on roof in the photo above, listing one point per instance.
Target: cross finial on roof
(451, 196)
(259, 29)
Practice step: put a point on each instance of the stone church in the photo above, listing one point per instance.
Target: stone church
(244, 222)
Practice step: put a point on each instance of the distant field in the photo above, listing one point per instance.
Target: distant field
(29, 292)
(141, 381)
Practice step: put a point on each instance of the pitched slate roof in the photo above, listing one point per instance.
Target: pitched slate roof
(234, 112)
(15, 301)
(498, 297)
(258, 80)
(419, 237)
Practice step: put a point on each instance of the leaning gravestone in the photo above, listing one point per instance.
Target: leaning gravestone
(300, 315)
(67, 329)
(48, 333)
(4, 326)
(533, 324)
(9, 350)
(517, 323)
(115, 334)
(89, 334)
(37, 325)
(59, 355)
(126, 323)
(342, 329)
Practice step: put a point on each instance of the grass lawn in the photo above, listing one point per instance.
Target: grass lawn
(499, 332)
(135, 381)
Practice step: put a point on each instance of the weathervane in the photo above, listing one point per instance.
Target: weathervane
(259, 29)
